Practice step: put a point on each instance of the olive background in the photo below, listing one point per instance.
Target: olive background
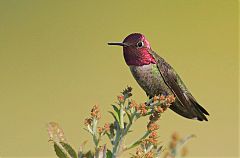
(55, 64)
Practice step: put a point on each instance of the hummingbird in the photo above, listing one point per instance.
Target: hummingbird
(156, 77)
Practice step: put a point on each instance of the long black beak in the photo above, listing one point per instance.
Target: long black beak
(118, 44)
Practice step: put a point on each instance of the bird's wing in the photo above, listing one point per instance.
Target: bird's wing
(187, 105)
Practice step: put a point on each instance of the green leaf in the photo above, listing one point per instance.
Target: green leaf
(59, 151)
(64, 150)
(69, 149)
(139, 141)
(115, 117)
(110, 136)
(129, 117)
(109, 154)
(135, 144)
(115, 108)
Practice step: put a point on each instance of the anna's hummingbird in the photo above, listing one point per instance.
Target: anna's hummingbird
(157, 77)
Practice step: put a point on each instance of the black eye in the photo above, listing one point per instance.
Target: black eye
(140, 44)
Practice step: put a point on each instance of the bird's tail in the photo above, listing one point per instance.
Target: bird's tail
(196, 111)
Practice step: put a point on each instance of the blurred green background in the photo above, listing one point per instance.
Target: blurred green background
(55, 65)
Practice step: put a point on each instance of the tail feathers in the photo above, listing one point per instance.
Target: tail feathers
(202, 118)
(183, 112)
(199, 110)
(195, 112)
(202, 109)
(200, 115)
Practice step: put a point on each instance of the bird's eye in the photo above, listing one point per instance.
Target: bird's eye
(140, 44)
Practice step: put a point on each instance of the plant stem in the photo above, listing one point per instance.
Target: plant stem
(121, 117)
(137, 141)
(130, 123)
(115, 147)
(94, 130)
(119, 133)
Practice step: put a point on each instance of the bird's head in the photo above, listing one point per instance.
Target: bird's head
(136, 50)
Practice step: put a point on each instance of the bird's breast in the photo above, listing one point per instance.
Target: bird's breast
(150, 79)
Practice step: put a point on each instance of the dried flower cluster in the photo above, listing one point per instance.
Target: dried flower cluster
(61, 147)
(176, 146)
(95, 112)
(120, 98)
(145, 149)
(127, 93)
(142, 109)
(154, 108)
(140, 154)
(104, 129)
(125, 109)
(95, 115)
(55, 132)
(88, 121)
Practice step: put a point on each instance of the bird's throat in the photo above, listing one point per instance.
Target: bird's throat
(138, 59)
